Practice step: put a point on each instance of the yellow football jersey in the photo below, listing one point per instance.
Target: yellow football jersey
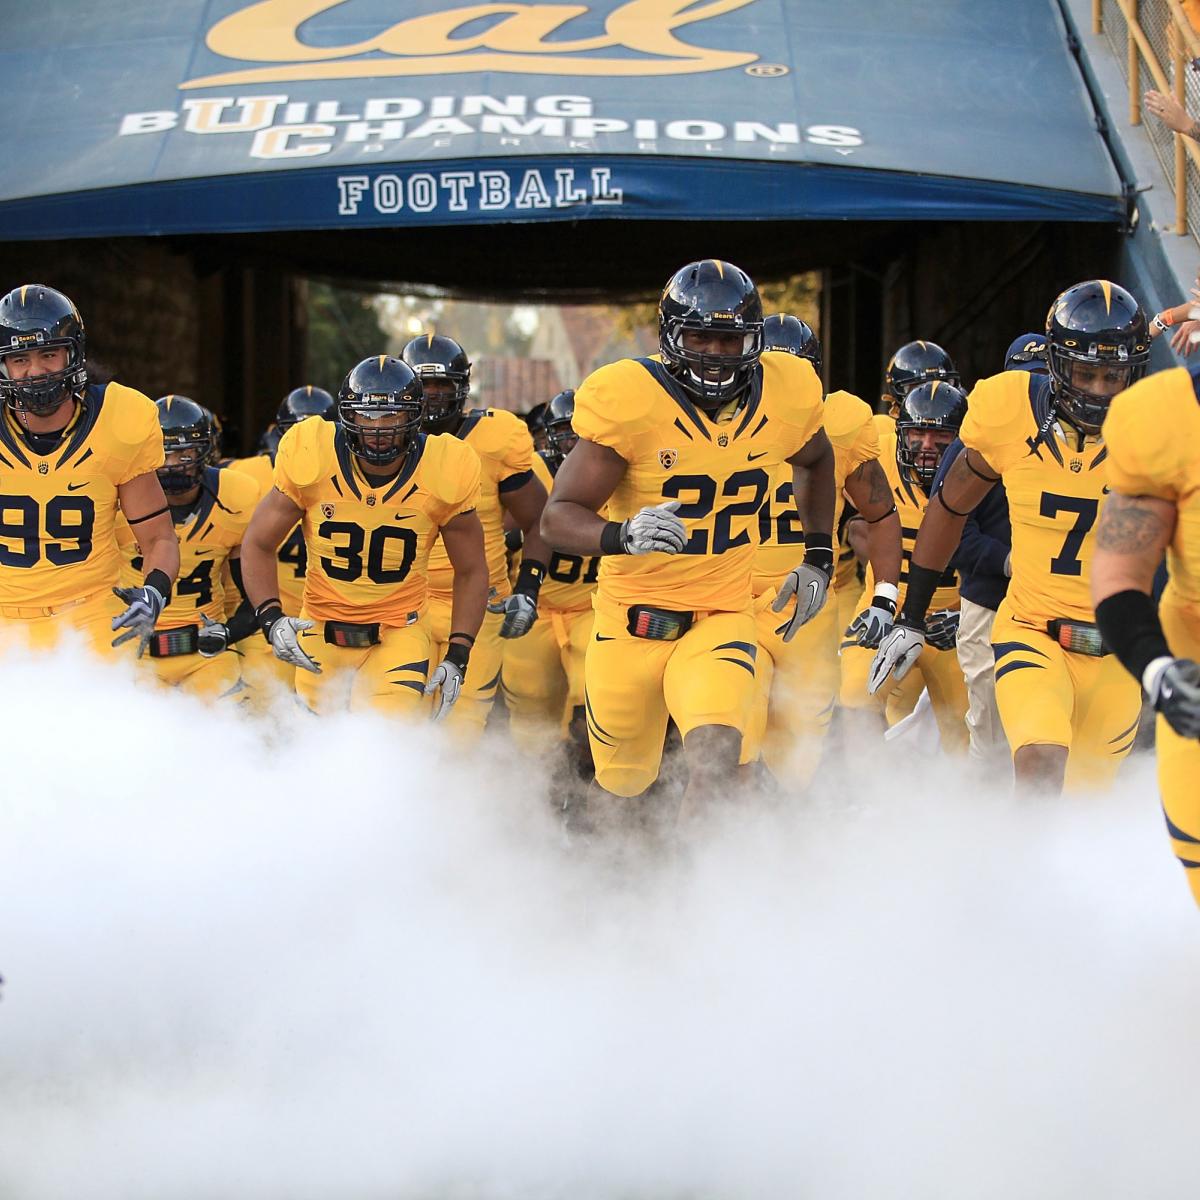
(207, 535)
(505, 450)
(369, 547)
(911, 503)
(58, 510)
(719, 471)
(1054, 494)
(1153, 439)
(570, 578)
(292, 556)
(851, 431)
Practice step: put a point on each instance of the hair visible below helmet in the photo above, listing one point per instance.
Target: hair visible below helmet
(1094, 323)
(710, 296)
(784, 332)
(933, 405)
(303, 402)
(916, 363)
(434, 356)
(560, 435)
(379, 387)
(36, 317)
(187, 431)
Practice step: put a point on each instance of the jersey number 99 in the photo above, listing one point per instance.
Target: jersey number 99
(67, 519)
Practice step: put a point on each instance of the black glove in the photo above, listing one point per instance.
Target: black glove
(144, 604)
(941, 629)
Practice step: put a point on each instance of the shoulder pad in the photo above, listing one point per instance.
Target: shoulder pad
(306, 451)
(621, 394)
(791, 378)
(1153, 429)
(494, 430)
(449, 466)
(845, 417)
(131, 416)
(238, 491)
(1000, 406)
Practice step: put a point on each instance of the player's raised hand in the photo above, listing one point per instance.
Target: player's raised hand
(144, 604)
(896, 655)
(654, 530)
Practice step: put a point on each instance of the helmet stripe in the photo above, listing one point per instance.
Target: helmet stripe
(1107, 287)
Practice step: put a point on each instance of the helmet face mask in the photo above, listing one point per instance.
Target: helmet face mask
(710, 331)
(1097, 344)
(380, 410)
(930, 417)
(188, 443)
(445, 372)
(34, 318)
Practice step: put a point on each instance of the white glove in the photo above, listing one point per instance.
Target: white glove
(285, 641)
(655, 530)
(520, 612)
(895, 656)
(213, 637)
(449, 677)
(1173, 687)
(941, 628)
(870, 626)
(810, 586)
(144, 606)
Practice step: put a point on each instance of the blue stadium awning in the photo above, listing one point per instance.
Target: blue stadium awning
(194, 116)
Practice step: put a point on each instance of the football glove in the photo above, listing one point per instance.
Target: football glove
(896, 654)
(810, 586)
(212, 638)
(941, 629)
(285, 641)
(655, 530)
(448, 677)
(520, 612)
(144, 604)
(870, 626)
(1173, 685)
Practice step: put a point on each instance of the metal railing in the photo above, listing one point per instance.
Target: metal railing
(1156, 45)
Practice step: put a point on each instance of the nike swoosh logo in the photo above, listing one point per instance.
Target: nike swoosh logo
(1106, 490)
(74, 487)
(752, 457)
(604, 639)
(405, 516)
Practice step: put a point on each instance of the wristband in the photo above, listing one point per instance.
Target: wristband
(612, 538)
(266, 614)
(529, 578)
(1163, 321)
(458, 654)
(887, 595)
(922, 583)
(160, 581)
(1130, 627)
(818, 551)
(469, 638)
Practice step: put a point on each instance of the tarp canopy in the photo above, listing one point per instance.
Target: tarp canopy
(136, 117)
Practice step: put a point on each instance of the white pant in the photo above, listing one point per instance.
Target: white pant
(988, 744)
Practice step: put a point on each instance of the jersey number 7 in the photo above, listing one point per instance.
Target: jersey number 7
(1066, 561)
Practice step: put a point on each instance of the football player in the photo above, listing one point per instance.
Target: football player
(930, 415)
(210, 508)
(259, 664)
(1069, 711)
(507, 485)
(913, 364)
(71, 454)
(543, 671)
(1153, 437)
(798, 680)
(681, 447)
(535, 422)
(373, 494)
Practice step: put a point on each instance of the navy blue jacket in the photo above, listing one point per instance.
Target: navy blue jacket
(986, 541)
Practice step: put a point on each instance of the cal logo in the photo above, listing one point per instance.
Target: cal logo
(370, 500)
(327, 511)
(43, 469)
(1076, 465)
(519, 38)
(722, 439)
(668, 458)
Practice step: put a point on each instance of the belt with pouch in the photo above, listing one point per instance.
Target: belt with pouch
(171, 643)
(354, 636)
(658, 624)
(1079, 637)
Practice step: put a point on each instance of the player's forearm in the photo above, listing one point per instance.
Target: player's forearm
(814, 489)
(884, 550)
(936, 542)
(160, 552)
(259, 570)
(571, 528)
(469, 599)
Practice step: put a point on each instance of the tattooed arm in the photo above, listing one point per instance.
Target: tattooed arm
(1131, 539)
(868, 490)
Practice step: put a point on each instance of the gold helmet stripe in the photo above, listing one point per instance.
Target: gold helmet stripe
(1107, 295)
(381, 358)
(24, 289)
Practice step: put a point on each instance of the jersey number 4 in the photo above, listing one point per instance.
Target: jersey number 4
(67, 519)
(753, 483)
(1067, 561)
(348, 565)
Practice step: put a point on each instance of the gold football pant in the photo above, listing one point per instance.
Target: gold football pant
(1179, 758)
(1048, 696)
(470, 714)
(797, 684)
(388, 677)
(543, 676)
(936, 671)
(41, 628)
(219, 677)
(706, 677)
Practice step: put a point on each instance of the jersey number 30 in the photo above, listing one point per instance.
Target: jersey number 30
(347, 565)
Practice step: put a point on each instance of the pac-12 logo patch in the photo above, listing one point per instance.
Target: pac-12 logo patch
(327, 511)
(668, 458)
